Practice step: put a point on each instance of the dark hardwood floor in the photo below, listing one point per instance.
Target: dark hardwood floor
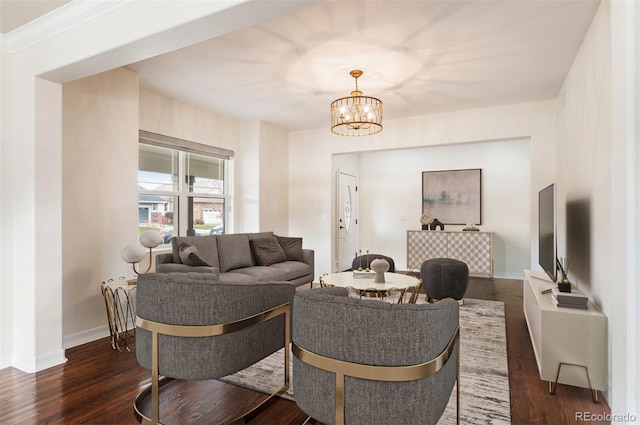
(97, 385)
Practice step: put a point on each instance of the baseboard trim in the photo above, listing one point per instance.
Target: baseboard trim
(32, 365)
(85, 337)
(509, 275)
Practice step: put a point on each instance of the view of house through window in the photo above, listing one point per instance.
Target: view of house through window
(180, 193)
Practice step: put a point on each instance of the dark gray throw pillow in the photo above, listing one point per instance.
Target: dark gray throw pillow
(190, 255)
(292, 247)
(267, 251)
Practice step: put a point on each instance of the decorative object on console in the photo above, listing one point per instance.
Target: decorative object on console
(379, 266)
(453, 195)
(573, 299)
(563, 265)
(426, 220)
(356, 115)
(135, 253)
(435, 224)
(470, 228)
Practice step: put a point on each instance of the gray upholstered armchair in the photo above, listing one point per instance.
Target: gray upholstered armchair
(365, 361)
(190, 326)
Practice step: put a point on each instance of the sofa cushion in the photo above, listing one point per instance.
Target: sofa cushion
(262, 273)
(237, 278)
(207, 246)
(293, 269)
(292, 247)
(190, 255)
(234, 252)
(267, 251)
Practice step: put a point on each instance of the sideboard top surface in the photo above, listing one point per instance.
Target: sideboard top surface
(449, 231)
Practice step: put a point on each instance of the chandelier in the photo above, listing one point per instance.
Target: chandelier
(356, 115)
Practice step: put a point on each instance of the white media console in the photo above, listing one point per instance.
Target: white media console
(573, 338)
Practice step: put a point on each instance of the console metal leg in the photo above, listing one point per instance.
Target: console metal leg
(552, 386)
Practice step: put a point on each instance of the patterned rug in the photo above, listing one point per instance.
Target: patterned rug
(484, 373)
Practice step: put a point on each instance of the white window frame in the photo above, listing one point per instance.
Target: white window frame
(182, 148)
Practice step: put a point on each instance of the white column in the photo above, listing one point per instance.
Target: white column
(625, 200)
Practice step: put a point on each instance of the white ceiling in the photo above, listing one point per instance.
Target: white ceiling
(419, 57)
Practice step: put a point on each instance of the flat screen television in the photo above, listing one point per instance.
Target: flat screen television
(547, 231)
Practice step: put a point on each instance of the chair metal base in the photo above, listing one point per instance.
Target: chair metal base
(204, 331)
(145, 420)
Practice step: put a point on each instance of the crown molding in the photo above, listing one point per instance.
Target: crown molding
(58, 21)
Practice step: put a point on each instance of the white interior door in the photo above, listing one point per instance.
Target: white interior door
(347, 214)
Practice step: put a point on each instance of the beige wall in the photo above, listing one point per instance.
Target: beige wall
(169, 117)
(99, 194)
(274, 179)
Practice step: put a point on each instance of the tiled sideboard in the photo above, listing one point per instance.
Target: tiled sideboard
(474, 248)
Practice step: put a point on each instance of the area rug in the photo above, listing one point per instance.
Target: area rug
(484, 373)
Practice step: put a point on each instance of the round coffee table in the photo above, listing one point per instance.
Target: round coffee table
(362, 282)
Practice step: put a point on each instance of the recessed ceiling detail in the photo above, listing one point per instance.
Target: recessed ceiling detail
(420, 57)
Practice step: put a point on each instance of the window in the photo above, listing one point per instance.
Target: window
(183, 187)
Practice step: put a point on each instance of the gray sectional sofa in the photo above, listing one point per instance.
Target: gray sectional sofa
(241, 258)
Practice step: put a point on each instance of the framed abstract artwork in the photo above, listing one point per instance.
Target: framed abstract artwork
(452, 196)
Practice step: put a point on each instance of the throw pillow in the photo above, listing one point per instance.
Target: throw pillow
(267, 251)
(190, 255)
(292, 247)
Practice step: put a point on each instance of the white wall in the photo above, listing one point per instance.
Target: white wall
(593, 220)
(584, 158)
(6, 291)
(625, 201)
(312, 173)
(390, 188)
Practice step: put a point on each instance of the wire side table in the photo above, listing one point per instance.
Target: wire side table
(120, 303)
